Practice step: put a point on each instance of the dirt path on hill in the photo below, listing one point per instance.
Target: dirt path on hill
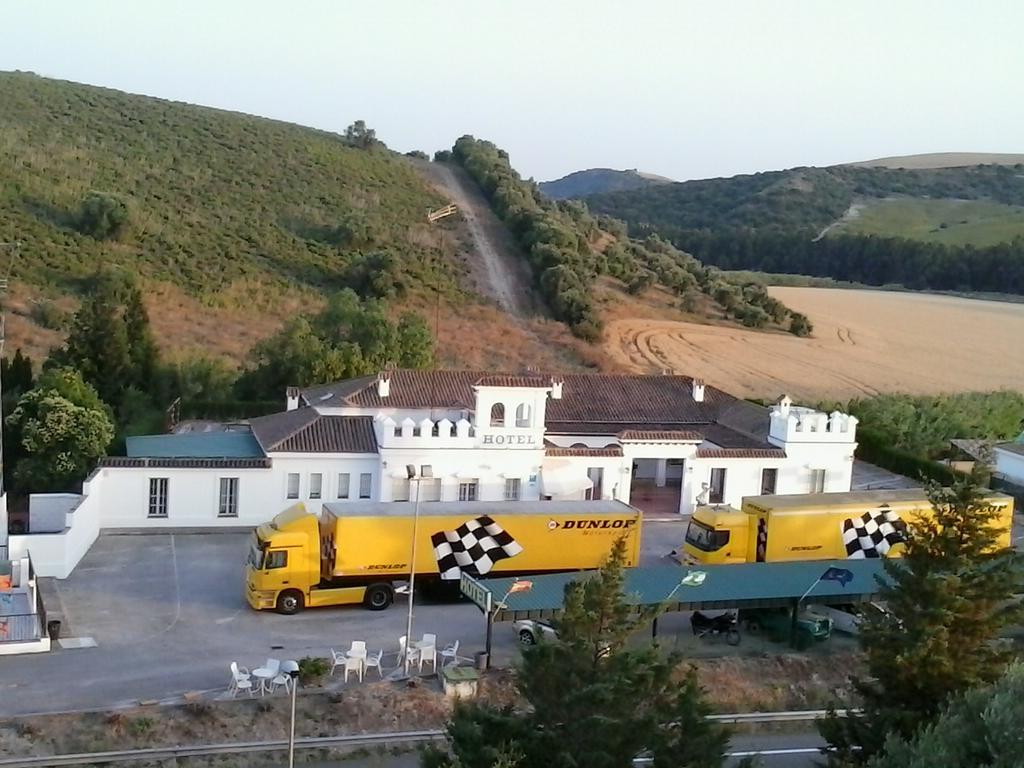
(499, 267)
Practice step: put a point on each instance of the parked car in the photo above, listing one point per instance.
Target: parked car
(776, 624)
(847, 618)
(529, 631)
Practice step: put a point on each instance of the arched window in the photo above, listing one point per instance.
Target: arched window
(523, 415)
(497, 415)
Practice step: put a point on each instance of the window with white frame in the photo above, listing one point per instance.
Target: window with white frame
(227, 505)
(400, 489)
(316, 485)
(523, 415)
(817, 481)
(158, 497)
(468, 490)
(292, 486)
(512, 488)
(344, 481)
(365, 485)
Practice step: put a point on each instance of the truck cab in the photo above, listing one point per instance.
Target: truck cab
(284, 561)
(717, 534)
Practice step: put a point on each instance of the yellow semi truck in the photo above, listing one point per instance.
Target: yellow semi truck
(360, 552)
(815, 526)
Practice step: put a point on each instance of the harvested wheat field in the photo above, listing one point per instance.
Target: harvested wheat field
(864, 342)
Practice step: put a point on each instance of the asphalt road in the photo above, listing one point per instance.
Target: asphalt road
(168, 615)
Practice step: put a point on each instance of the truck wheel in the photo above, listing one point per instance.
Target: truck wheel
(378, 596)
(753, 626)
(290, 602)
(526, 637)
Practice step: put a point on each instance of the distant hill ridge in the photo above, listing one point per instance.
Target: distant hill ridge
(595, 180)
(942, 160)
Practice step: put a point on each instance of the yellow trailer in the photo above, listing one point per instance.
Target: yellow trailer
(359, 552)
(816, 526)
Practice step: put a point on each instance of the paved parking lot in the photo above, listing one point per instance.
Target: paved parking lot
(168, 615)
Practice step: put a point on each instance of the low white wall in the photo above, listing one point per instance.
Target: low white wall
(57, 554)
(47, 512)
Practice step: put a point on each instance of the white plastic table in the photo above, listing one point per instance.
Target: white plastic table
(264, 675)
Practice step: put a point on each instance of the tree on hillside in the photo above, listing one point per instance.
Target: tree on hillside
(110, 341)
(102, 216)
(800, 324)
(358, 135)
(948, 599)
(593, 700)
(980, 730)
(62, 427)
(348, 338)
(16, 373)
(97, 346)
(142, 349)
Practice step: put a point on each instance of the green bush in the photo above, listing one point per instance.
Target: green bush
(229, 409)
(49, 315)
(312, 669)
(876, 448)
(102, 216)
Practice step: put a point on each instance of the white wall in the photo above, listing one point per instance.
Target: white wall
(1009, 465)
(57, 554)
(47, 512)
(490, 467)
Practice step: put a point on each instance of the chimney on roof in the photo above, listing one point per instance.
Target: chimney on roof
(556, 387)
(698, 390)
(784, 405)
(291, 397)
(383, 384)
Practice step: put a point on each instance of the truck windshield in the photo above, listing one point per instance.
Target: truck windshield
(705, 538)
(255, 554)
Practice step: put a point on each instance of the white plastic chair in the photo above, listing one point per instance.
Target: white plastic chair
(358, 649)
(240, 680)
(451, 652)
(413, 653)
(337, 660)
(354, 664)
(374, 661)
(428, 651)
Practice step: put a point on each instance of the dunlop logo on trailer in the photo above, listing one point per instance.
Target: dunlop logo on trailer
(591, 524)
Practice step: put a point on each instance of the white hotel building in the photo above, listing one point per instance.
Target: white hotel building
(661, 443)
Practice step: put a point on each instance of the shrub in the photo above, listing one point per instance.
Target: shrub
(49, 315)
(102, 216)
(877, 448)
(140, 726)
(800, 325)
(312, 670)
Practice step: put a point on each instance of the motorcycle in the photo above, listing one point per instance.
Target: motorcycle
(724, 624)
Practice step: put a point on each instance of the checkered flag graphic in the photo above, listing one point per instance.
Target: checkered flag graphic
(474, 547)
(873, 534)
(762, 540)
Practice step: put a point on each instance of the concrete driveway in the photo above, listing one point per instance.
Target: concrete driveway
(168, 615)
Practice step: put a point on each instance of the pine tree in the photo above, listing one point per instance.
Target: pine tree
(593, 700)
(141, 344)
(97, 347)
(948, 598)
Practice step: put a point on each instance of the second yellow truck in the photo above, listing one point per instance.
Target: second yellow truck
(816, 526)
(357, 553)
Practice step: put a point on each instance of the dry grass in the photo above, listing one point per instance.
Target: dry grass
(864, 342)
(736, 684)
(943, 160)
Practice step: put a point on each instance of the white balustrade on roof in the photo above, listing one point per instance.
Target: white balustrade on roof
(424, 434)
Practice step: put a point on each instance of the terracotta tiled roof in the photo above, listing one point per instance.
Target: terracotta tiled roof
(306, 431)
(187, 463)
(723, 437)
(583, 452)
(661, 436)
(586, 398)
(506, 380)
(740, 453)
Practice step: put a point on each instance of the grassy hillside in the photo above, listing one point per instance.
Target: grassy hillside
(213, 197)
(596, 180)
(944, 160)
(801, 198)
(955, 222)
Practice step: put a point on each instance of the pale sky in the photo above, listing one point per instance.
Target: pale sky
(684, 89)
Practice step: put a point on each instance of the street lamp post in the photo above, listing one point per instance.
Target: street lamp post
(292, 669)
(418, 478)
